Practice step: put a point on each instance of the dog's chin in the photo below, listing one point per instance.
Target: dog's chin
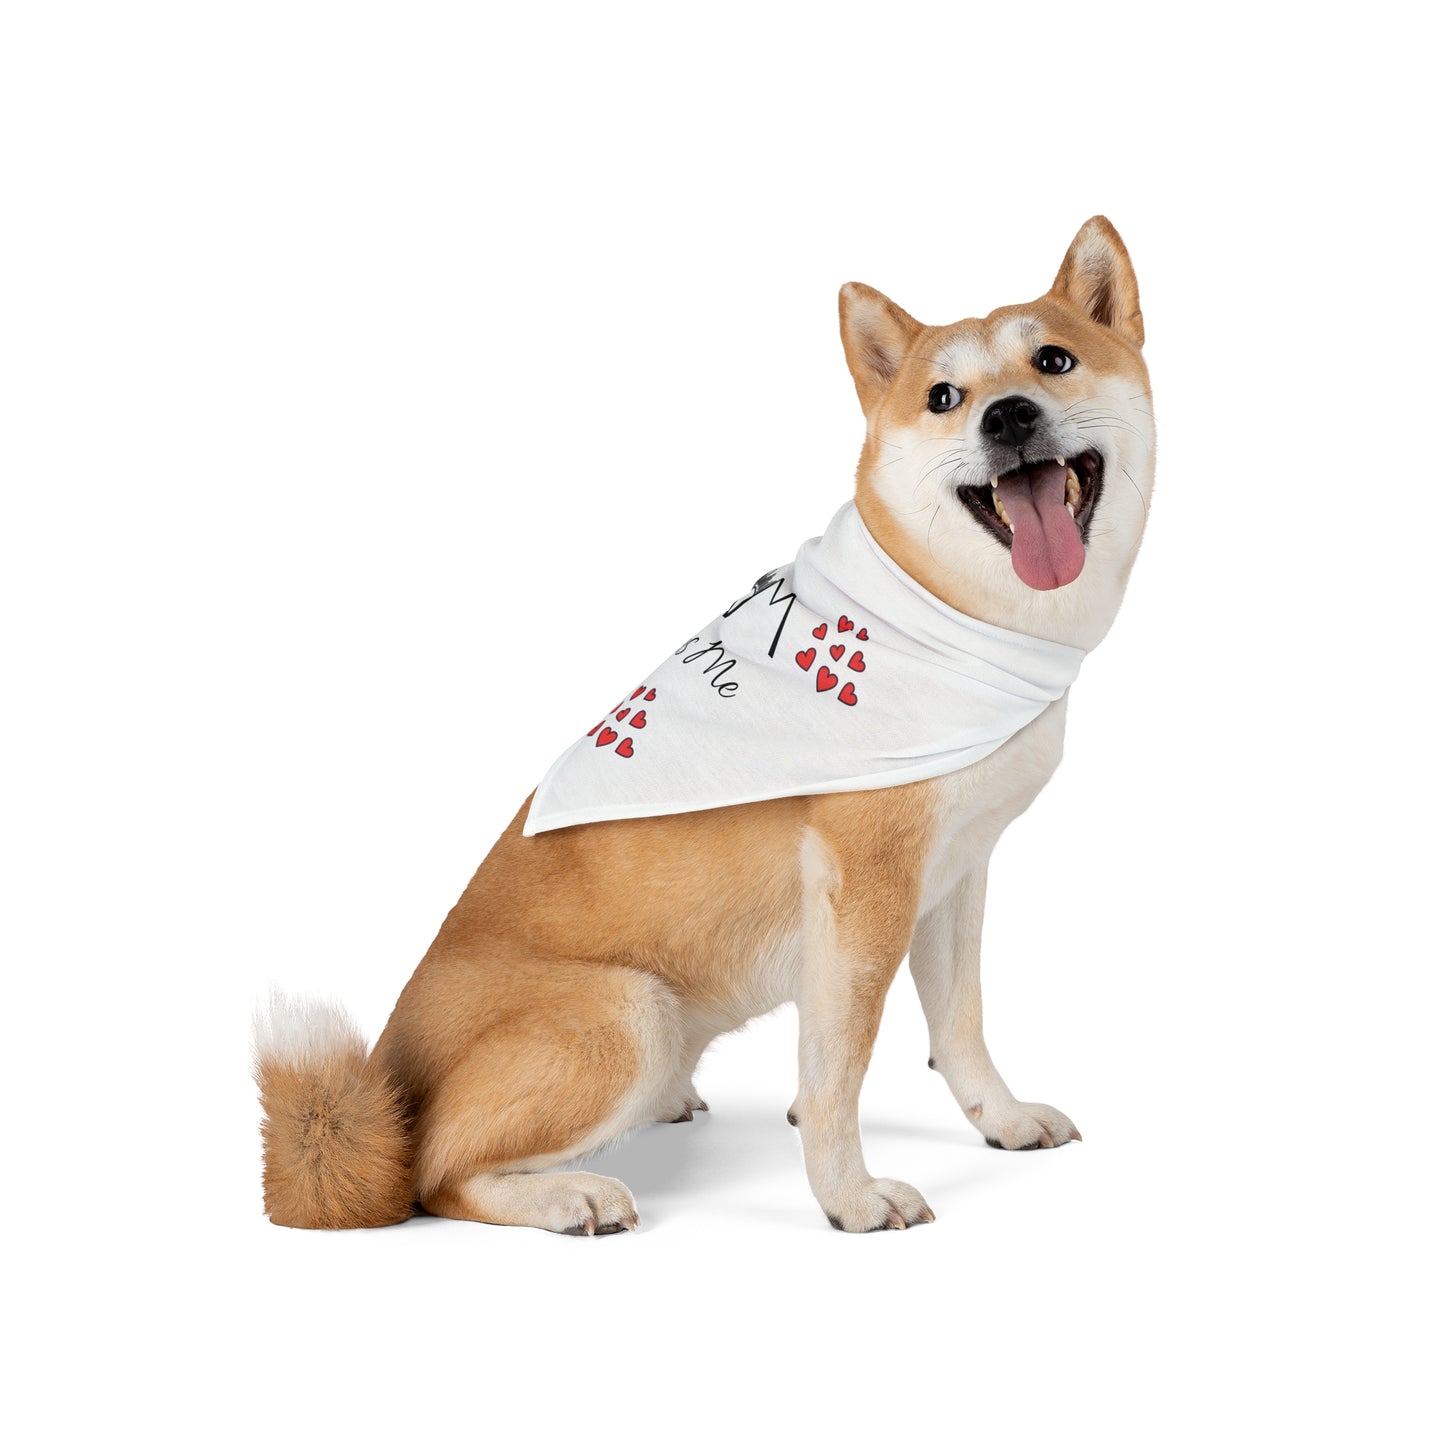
(1041, 513)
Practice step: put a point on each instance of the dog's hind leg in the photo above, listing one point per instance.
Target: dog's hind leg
(571, 1203)
(683, 1099)
(575, 1056)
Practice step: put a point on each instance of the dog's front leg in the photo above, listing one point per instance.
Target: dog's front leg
(854, 937)
(945, 963)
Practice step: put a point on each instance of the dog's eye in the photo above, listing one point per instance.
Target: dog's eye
(944, 396)
(1054, 360)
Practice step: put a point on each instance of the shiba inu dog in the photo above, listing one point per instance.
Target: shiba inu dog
(1001, 494)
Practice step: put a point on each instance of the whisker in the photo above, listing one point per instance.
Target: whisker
(928, 536)
(1094, 424)
(1132, 482)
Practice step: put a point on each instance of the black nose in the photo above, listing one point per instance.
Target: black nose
(1010, 421)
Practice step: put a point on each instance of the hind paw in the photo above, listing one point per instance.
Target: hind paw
(587, 1204)
(692, 1103)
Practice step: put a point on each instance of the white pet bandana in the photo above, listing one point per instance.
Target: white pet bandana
(837, 673)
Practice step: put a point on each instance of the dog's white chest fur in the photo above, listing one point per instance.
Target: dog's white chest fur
(972, 808)
(974, 805)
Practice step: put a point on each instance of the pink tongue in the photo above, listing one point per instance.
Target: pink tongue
(1047, 551)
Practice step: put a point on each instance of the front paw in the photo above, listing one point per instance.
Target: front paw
(1023, 1126)
(877, 1204)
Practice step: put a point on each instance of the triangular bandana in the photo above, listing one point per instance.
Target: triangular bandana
(836, 673)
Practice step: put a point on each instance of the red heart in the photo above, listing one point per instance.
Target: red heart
(862, 634)
(606, 736)
(624, 748)
(821, 630)
(855, 663)
(836, 652)
(827, 680)
(633, 698)
(651, 693)
(848, 695)
(805, 659)
(623, 713)
(590, 731)
(639, 718)
(845, 624)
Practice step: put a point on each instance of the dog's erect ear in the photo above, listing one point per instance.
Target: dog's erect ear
(876, 338)
(1099, 279)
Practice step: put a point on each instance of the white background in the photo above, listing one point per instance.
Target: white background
(384, 386)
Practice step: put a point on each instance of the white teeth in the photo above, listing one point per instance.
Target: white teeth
(998, 507)
(1059, 460)
(1072, 490)
(1070, 506)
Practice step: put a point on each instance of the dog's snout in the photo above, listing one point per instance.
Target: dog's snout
(1010, 421)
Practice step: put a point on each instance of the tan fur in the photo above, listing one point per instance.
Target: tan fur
(892, 358)
(336, 1143)
(1097, 279)
(525, 1056)
(576, 983)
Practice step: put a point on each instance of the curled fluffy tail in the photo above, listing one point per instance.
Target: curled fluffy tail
(336, 1146)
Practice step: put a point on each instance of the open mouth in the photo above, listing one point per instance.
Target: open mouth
(1041, 513)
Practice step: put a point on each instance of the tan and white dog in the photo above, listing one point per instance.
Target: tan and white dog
(567, 999)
